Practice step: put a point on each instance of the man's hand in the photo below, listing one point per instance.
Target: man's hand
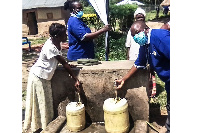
(72, 66)
(119, 83)
(77, 84)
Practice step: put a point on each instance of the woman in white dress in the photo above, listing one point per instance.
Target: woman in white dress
(39, 101)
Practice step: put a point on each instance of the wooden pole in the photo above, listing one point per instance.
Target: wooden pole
(107, 37)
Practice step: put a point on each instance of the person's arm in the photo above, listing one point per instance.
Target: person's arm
(68, 68)
(65, 45)
(120, 82)
(90, 36)
(139, 63)
(81, 32)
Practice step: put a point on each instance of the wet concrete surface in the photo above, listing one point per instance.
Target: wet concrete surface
(93, 128)
(90, 128)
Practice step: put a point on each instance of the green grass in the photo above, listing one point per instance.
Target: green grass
(38, 40)
(152, 15)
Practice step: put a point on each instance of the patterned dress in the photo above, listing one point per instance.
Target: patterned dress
(39, 103)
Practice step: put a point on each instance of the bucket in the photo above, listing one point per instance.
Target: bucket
(116, 115)
(75, 112)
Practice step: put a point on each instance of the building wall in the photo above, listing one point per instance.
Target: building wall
(42, 13)
(43, 27)
(45, 17)
(25, 16)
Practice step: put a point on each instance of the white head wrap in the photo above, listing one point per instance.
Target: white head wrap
(139, 10)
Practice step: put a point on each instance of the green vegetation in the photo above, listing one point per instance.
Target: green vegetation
(38, 40)
(123, 15)
(117, 49)
(88, 10)
(152, 15)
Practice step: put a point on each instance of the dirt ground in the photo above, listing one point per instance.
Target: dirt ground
(157, 118)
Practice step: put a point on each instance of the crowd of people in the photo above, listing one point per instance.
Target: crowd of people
(146, 46)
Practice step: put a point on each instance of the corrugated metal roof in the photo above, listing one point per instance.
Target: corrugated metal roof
(28, 4)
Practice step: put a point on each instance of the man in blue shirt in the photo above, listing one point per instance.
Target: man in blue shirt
(155, 51)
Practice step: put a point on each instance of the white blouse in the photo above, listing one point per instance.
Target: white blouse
(134, 47)
(46, 63)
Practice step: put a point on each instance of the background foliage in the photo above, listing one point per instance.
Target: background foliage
(123, 15)
(152, 2)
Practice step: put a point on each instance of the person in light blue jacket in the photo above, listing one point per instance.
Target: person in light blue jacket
(155, 51)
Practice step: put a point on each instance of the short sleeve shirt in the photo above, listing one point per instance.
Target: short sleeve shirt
(46, 63)
(134, 47)
(78, 48)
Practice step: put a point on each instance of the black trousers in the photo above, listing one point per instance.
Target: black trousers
(167, 125)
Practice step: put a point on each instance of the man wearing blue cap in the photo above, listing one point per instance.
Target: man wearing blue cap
(154, 50)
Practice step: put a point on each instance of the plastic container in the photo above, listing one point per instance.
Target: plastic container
(116, 115)
(75, 116)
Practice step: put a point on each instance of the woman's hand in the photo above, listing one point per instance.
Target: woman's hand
(65, 45)
(94, 35)
(107, 28)
(72, 66)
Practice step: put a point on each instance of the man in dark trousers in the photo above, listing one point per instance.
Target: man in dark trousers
(157, 12)
(155, 51)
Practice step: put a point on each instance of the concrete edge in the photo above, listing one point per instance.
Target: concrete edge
(55, 126)
(140, 126)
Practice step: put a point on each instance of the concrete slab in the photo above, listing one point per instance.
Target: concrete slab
(121, 64)
(90, 128)
(55, 126)
(98, 85)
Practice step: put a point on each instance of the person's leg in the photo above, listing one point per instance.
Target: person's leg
(45, 102)
(29, 103)
(167, 125)
(152, 84)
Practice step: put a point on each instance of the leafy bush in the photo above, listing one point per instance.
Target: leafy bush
(89, 10)
(90, 19)
(123, 14)
(117, 49)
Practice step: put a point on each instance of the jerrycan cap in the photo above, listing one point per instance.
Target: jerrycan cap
(74, 106)
(111, 104)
